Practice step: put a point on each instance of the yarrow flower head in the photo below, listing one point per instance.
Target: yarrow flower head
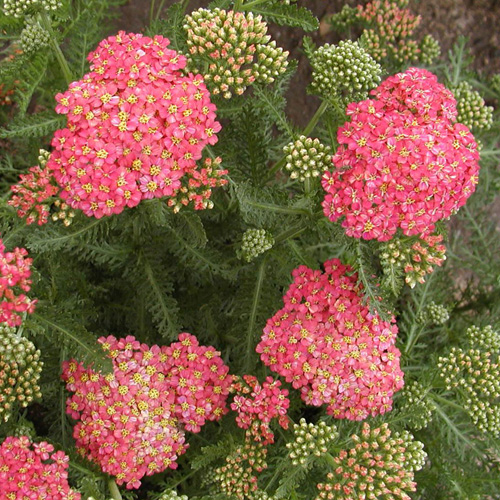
(379, 465)
(236, 47)
(136, 127)
(326, 343)
(172, 495)
(344, 71)
(474, 372)
(132, 421)
(257, 405)
(15, 279)
(471, 108)
(307, 158)
(402, 161)
(33, 195)
(20, 369)
(310, 441)
(33, 471)
(254, 243)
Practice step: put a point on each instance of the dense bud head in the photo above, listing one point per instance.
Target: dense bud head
(379, 463)
(310, 440)
(415, 404)
(34, 37)
(254, 243)
(434, 314)
(172, 495)
(475, 378)
(343, 71)
(20, 369)
(471, 108)
(20, 8)
(307, 158)
(236, 47)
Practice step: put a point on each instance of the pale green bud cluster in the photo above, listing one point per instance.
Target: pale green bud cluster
(236, 47)
(477, 380)
(20, 369)
(471, 108)
(33, 37)
(484, 339)
(495, 83)
(344, 19)
(307, 158)
(254, 243)
(416, 405)
(310, 440)
(434, 314)
(380, 464)
(172, 495)
(236, 478)
(430, 50)
(19, 8)
(345, 70)
(416, 258)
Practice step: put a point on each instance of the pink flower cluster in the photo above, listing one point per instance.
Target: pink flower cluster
(31, 195)
(257, 405)
(326, 343)
(14, 278)
(136, 126)
(25, 473)
(402, 161)
(131, 422)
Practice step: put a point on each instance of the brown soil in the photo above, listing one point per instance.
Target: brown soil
(446, 20)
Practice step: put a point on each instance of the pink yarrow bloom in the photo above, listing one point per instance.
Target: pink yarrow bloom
(31, 471)
(257, 405)
(327, 344)
(403, 162)
(132, 422)
(136, 126)
(15, 279)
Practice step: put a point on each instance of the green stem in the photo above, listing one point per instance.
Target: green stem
(307, 186)
(187, 476)
(309, 128)
(238, 5)
(249, 5)
(151, 11)
(439, 398)
(113, 490)
(63, 63)
(315, 119)
(253, 313)
(290, 233)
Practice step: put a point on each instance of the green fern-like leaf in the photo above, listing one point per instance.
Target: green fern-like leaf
(287, 15)
(37, 125)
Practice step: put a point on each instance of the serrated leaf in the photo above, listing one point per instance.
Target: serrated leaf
(288, 15)
(38, 125)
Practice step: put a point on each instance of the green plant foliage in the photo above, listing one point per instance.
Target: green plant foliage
(167, 266)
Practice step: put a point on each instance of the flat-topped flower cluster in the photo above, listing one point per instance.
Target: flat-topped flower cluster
(132, 421)
(15, 272)
(258, 404)
(136, 126)
(402, 162)
(326, 343)
(33, 471)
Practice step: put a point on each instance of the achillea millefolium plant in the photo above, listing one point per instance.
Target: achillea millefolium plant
(200, 299)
